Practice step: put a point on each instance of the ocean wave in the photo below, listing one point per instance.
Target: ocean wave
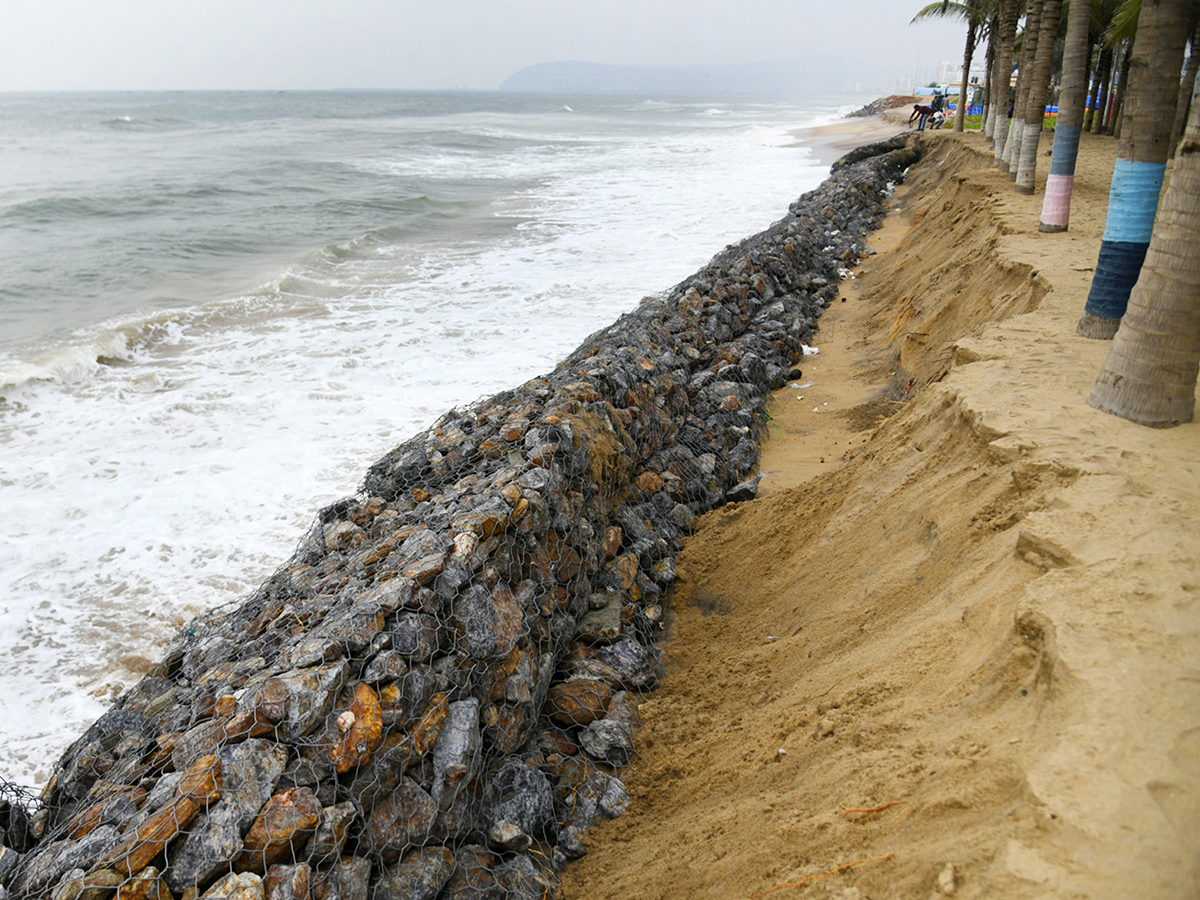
(68, 362)
(138, 339)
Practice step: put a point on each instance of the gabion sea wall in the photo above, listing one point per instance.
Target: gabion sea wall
(434, 696)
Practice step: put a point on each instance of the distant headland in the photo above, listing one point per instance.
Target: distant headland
(779, 77)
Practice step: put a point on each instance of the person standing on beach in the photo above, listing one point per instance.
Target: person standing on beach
(921, 114)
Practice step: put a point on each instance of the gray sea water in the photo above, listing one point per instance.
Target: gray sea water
(216, 310)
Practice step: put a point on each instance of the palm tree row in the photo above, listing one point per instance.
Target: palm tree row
(1141, 93)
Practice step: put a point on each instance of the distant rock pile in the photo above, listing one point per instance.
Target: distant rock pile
(875, 107)
(432, 698)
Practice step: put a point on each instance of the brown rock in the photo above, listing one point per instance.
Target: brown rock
(400, 820)
(425, 569)
(364, 735)
(271, 701)
(507, 726)
(98, 885)
(650, 482)
(235, 886)
(472, 878)
(347, 879)
(520, 516)
(289, 818)
(145, 885)
(287, 882)
(112, 811)
(624, 570)
(425, 733)
(509, 621)
(577, 702)
(201, 785)
(612, 541)
(330, 838)
(491, 449)
(581, 391)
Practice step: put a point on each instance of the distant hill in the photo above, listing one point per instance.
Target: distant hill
(779, 77)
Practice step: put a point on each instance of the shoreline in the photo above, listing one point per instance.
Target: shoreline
(831, 142)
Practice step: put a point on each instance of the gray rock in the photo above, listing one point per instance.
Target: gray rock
(473, 877)
(415, 687)
(570, 841)
(311, 695)
(347, 631)
(663, 571)
(45, 865)
(475, 619)
(8, 863)
(637, 666)
(386, 666)
(601, 626)
(518, 805)
(610, 739)
(615, 800)
(454, 576)
(456, 752)
(249, 772)
(209, 847)
(398, 821)
(391, 595)
(415, 636)
(744, 490)
(423, 542)
(420, 875)
(521, 880)
(347, 879)
(330, 838)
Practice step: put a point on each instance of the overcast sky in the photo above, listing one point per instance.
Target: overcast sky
(313, 44)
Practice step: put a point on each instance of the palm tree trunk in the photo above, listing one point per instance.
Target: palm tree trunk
(1149, 376)
(1035, 107)
(1016, 128)
(1114, 121)
(1141, 161)
(1056, 208)
(1106, 64)
(1188, 88)
(1002, 74)
(968, 53)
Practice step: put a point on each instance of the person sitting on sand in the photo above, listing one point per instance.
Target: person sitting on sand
(921, 114)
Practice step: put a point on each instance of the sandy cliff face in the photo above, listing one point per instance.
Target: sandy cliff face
(954, 649)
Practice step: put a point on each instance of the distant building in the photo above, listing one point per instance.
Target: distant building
(951, 72)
